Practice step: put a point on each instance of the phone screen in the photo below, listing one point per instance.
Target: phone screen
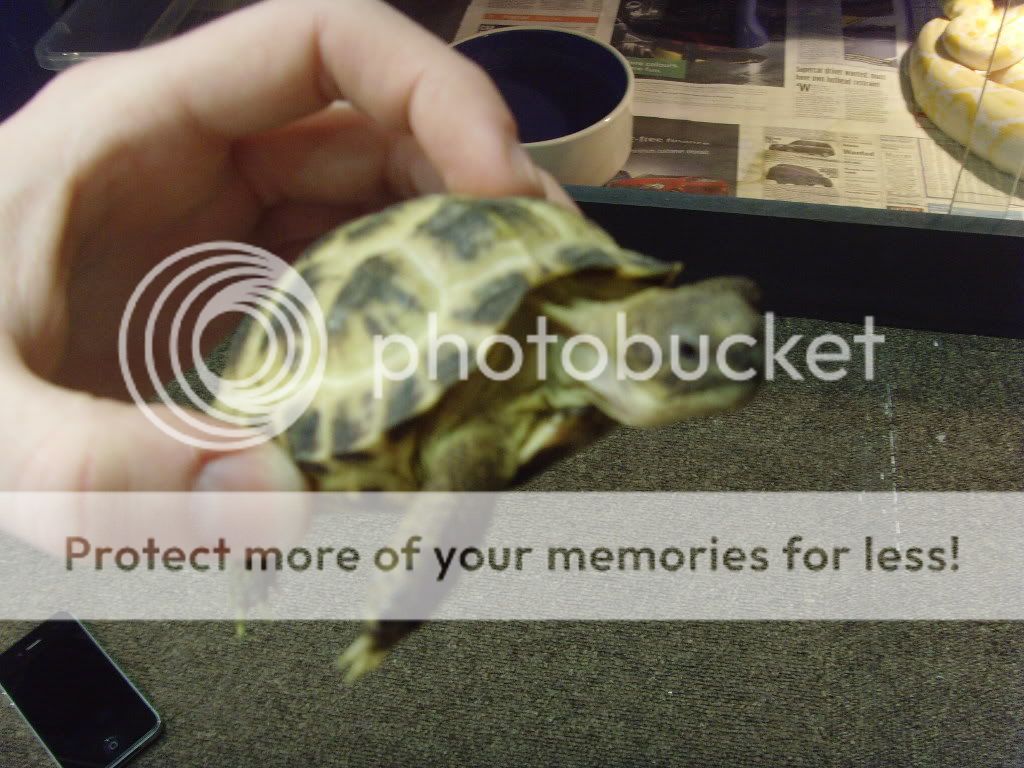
(80, 705)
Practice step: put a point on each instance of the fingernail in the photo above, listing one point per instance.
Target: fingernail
(265, 468)
(525, 168)
(556, 193)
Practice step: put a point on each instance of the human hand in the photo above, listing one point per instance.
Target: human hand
(232, 132)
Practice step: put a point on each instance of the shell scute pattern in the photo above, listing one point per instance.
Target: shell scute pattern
(248, 334)
(274, 330)
(403, 402)
(304, 436)
(460, 265)
(496, 300)
(577, 256)
(467, 228)
(366, 226)
(345, 433)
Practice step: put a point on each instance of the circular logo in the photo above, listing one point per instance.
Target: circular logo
(227, 278)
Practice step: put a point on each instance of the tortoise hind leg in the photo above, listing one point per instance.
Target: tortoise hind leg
(372, 647)
(473, 458)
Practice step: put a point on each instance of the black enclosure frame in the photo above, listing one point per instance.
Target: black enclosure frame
(938, 272)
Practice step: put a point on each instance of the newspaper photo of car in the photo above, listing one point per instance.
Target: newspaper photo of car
(693, 185)
(805, 147)
(799, 175)
(681, 157)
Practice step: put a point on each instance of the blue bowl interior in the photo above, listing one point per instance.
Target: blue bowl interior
(555, 83)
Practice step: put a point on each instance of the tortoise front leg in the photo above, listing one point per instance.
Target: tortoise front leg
(473, 458)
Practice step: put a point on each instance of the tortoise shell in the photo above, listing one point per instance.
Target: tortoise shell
(463, 265)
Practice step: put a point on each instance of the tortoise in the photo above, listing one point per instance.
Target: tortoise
(475, 268)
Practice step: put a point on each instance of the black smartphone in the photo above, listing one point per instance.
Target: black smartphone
(81, 706)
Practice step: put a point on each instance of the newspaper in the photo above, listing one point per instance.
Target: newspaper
(800, 100)
(595, 17)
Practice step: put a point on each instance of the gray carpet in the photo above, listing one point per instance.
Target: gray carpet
(687, 694)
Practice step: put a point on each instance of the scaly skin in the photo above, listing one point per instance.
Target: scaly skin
(949, 91)
(974, 40)
(1011, 77)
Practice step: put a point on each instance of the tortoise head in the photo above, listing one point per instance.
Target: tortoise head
(674, 353)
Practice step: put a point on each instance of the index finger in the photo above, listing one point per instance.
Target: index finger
(283, 59)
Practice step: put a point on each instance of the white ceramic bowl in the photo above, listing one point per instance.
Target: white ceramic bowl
(572, 97)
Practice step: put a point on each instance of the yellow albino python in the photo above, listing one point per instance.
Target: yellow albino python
(948, 65)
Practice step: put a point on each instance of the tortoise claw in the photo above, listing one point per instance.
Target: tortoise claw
(250, 587)
(363, 656)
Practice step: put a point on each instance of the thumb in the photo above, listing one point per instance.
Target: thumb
(73, 442)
